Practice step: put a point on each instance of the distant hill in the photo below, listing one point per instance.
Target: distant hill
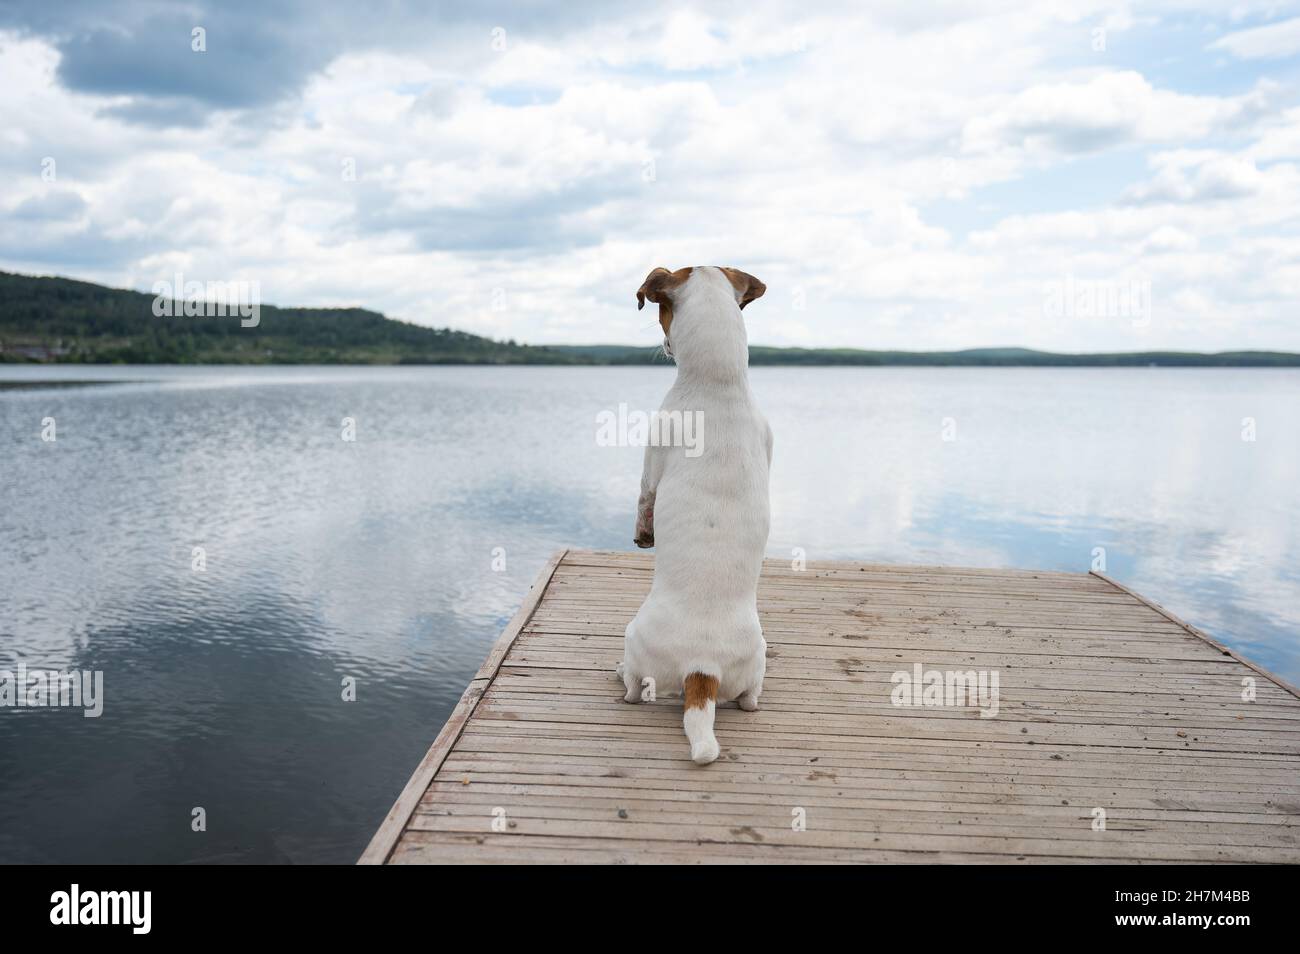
(62, 320)
(974, 357)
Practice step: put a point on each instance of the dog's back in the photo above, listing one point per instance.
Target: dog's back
(698, 629)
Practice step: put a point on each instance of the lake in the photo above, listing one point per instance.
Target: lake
(210, 541)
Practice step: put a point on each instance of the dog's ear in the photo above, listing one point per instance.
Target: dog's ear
(652, 287)
(747, 286)
(658, 287)
(658, 284)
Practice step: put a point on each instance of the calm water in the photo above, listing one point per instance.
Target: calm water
(372, 559)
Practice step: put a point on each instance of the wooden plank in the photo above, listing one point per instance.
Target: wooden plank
(643, 563)
(1201, 634)
(390, 830)
(422, 847)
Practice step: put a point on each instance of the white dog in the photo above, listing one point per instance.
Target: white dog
(706, 512)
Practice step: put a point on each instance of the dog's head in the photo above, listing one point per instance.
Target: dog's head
(662, 286)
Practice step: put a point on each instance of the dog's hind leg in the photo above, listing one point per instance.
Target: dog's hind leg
(748, 700)
(638, 689)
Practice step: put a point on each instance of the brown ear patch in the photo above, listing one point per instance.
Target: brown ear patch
(747, 286)
(658, 287)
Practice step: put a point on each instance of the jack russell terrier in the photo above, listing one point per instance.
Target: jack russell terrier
(706, 513)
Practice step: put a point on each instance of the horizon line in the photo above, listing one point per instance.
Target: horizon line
(650, 347)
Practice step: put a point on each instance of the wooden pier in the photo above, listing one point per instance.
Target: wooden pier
(1122, 734)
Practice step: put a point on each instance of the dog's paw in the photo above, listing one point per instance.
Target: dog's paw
(645, 541)
(704, 751)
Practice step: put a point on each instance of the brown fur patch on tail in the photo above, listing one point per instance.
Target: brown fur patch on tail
(699, 690)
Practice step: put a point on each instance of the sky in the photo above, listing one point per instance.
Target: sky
(1067, 176)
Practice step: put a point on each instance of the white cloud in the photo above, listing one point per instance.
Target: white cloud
(1272, 41)
(1214, 179)
(1112, 109)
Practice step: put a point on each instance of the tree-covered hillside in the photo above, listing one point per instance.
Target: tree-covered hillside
(58, 319)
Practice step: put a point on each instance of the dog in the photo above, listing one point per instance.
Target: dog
(707, 515)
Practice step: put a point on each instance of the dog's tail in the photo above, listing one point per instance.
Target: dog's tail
(701, 694)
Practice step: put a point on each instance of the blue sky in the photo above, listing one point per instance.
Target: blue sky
(903, 176)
